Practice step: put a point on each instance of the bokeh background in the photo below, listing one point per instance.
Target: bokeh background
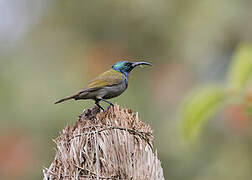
(51, 49)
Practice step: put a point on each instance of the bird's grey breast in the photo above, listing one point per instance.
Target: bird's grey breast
(113, 91)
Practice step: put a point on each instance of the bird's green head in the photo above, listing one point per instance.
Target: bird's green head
(125, 66)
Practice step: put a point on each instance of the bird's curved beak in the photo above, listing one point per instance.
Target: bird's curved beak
(141, 63)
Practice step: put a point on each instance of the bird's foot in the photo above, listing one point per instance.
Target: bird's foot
(89, 113)
(108, 107)
(99, 106)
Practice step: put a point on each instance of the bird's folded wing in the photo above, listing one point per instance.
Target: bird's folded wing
(108, 78)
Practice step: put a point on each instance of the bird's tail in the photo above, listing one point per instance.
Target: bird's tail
(66, 98)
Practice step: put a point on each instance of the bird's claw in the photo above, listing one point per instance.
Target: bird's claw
(111, 105)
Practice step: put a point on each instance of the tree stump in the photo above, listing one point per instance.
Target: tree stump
(105, 145)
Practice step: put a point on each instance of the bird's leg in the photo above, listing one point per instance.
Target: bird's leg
(97, 103)
(110, 104)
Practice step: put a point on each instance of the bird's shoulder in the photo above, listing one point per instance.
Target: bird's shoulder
(108, 78)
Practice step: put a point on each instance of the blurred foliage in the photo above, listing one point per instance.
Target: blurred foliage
(199, 107)
(240, 69)
(204, 103)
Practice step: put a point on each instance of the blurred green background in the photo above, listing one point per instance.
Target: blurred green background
(51, 49)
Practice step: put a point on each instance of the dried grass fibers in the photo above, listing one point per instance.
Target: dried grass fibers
(106, 145)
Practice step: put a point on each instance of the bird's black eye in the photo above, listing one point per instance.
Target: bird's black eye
(128, 64)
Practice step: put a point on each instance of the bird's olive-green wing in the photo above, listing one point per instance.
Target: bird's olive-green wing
(108, 78)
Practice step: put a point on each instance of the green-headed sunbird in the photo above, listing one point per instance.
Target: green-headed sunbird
(107, 85)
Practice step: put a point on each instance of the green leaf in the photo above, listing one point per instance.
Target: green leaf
(241, 68)
(199, 107)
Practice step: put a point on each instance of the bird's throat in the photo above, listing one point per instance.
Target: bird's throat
(126, 81)
(126, 74)
(126, 78)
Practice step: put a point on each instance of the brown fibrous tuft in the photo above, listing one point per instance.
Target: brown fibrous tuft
(105, 145)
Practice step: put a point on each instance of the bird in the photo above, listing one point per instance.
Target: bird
(107, 85)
